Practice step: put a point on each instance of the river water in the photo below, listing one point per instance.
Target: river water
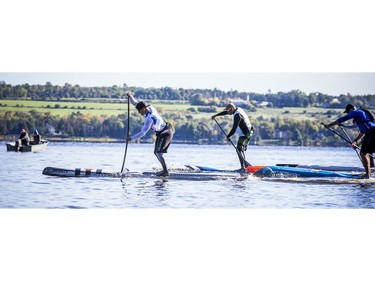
(147, 229)
(24, 186)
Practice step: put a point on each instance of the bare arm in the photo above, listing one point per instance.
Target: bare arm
(132, 99)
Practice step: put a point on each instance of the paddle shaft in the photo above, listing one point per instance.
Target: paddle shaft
(127, 135)
(238, 152)
(345, 139)
(356, 150)
(333, 131)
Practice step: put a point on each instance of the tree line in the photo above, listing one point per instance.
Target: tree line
(210, 97)
(278, 131)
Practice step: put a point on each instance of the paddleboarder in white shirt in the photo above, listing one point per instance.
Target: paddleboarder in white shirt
(163, 130)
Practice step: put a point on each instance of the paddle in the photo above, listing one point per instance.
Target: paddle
(238, 152)
(349, 139)
(345, 139)
(127, 135)
(356, 148)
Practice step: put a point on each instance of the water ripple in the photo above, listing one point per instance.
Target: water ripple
(24, 186)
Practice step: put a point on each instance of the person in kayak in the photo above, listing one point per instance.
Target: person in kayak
(366, 125)
(163, 130)
(243, 127)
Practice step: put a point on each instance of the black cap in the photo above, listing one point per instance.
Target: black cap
(349, 107)
(140, 105)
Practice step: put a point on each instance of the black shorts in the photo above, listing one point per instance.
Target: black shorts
(368, 144)
(244, 141)
(163, 141)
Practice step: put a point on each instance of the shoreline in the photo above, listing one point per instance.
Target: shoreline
(148, 141)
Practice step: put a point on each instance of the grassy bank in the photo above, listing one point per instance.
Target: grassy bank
(65, 108)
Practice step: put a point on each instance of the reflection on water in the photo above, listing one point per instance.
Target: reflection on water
(24, 186)
(362, 196)
(150, 190)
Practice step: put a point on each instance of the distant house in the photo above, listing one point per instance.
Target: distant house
(52, 131)
(285, 135)
(335, 102)
(90, 131)
(263, 103)
(240, 102)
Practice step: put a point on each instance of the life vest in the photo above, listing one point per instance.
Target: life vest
(244, 127)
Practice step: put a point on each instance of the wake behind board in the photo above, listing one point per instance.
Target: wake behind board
(88, 172)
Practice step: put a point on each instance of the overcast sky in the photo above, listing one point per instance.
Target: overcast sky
(327, 83)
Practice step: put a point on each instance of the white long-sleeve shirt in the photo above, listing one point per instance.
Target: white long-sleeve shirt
(152, 121)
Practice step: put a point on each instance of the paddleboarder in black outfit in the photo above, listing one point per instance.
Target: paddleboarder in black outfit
(244, 129)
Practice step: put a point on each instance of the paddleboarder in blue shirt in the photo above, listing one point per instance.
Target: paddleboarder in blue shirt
(366, 125)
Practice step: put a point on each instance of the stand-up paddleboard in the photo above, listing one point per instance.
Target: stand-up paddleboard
(205, 173)
(289, 171)
(80, 172)
(89, 172)
(210, 169)
(280, 171)
(328, 168)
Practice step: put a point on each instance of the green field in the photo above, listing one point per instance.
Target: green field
(64, 108)
(94, 108)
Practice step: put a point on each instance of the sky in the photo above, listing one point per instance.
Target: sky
(327, 83)
(256, 46)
